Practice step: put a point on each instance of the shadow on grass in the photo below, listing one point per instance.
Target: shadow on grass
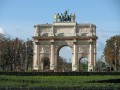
(106, 81)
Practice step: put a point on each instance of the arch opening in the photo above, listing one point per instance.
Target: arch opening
(46, 64)
(64, 59)
(83, 64)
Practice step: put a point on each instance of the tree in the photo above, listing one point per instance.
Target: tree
(15, 54)
(29, 54)
(112, 52)
(4, 51)
(101, 64)
(63, 65)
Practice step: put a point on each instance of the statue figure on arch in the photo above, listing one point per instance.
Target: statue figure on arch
(55, 18)
(65, 17)
(73, 17)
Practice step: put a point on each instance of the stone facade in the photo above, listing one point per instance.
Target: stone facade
(50, 38)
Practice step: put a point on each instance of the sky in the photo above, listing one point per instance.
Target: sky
(18, 17)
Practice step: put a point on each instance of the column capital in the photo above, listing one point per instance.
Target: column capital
(90, 41)
(52, 41)
(74, 41)
(37, 42)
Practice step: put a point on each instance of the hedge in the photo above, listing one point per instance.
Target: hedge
(59, 82)
(58, 73)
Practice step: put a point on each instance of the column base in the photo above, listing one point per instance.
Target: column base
(74, 68)
(90, 68)
(35, 67)
(51, 67)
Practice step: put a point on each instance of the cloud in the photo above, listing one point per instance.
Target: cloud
(2, 31)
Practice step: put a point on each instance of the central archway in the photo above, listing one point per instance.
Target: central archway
(64, 58)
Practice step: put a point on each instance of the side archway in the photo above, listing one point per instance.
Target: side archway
(83, 64)
(45, 64)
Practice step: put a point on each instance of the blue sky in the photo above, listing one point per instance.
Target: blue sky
(17, 17)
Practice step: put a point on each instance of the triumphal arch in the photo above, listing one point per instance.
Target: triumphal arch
(65, 31)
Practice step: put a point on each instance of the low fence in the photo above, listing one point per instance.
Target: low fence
(58, 73)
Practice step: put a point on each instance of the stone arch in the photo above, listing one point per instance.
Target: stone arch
(62, 34)
(61, 46)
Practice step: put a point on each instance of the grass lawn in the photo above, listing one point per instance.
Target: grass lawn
(61, 81)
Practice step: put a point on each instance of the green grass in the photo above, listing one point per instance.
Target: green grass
(58, 81)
